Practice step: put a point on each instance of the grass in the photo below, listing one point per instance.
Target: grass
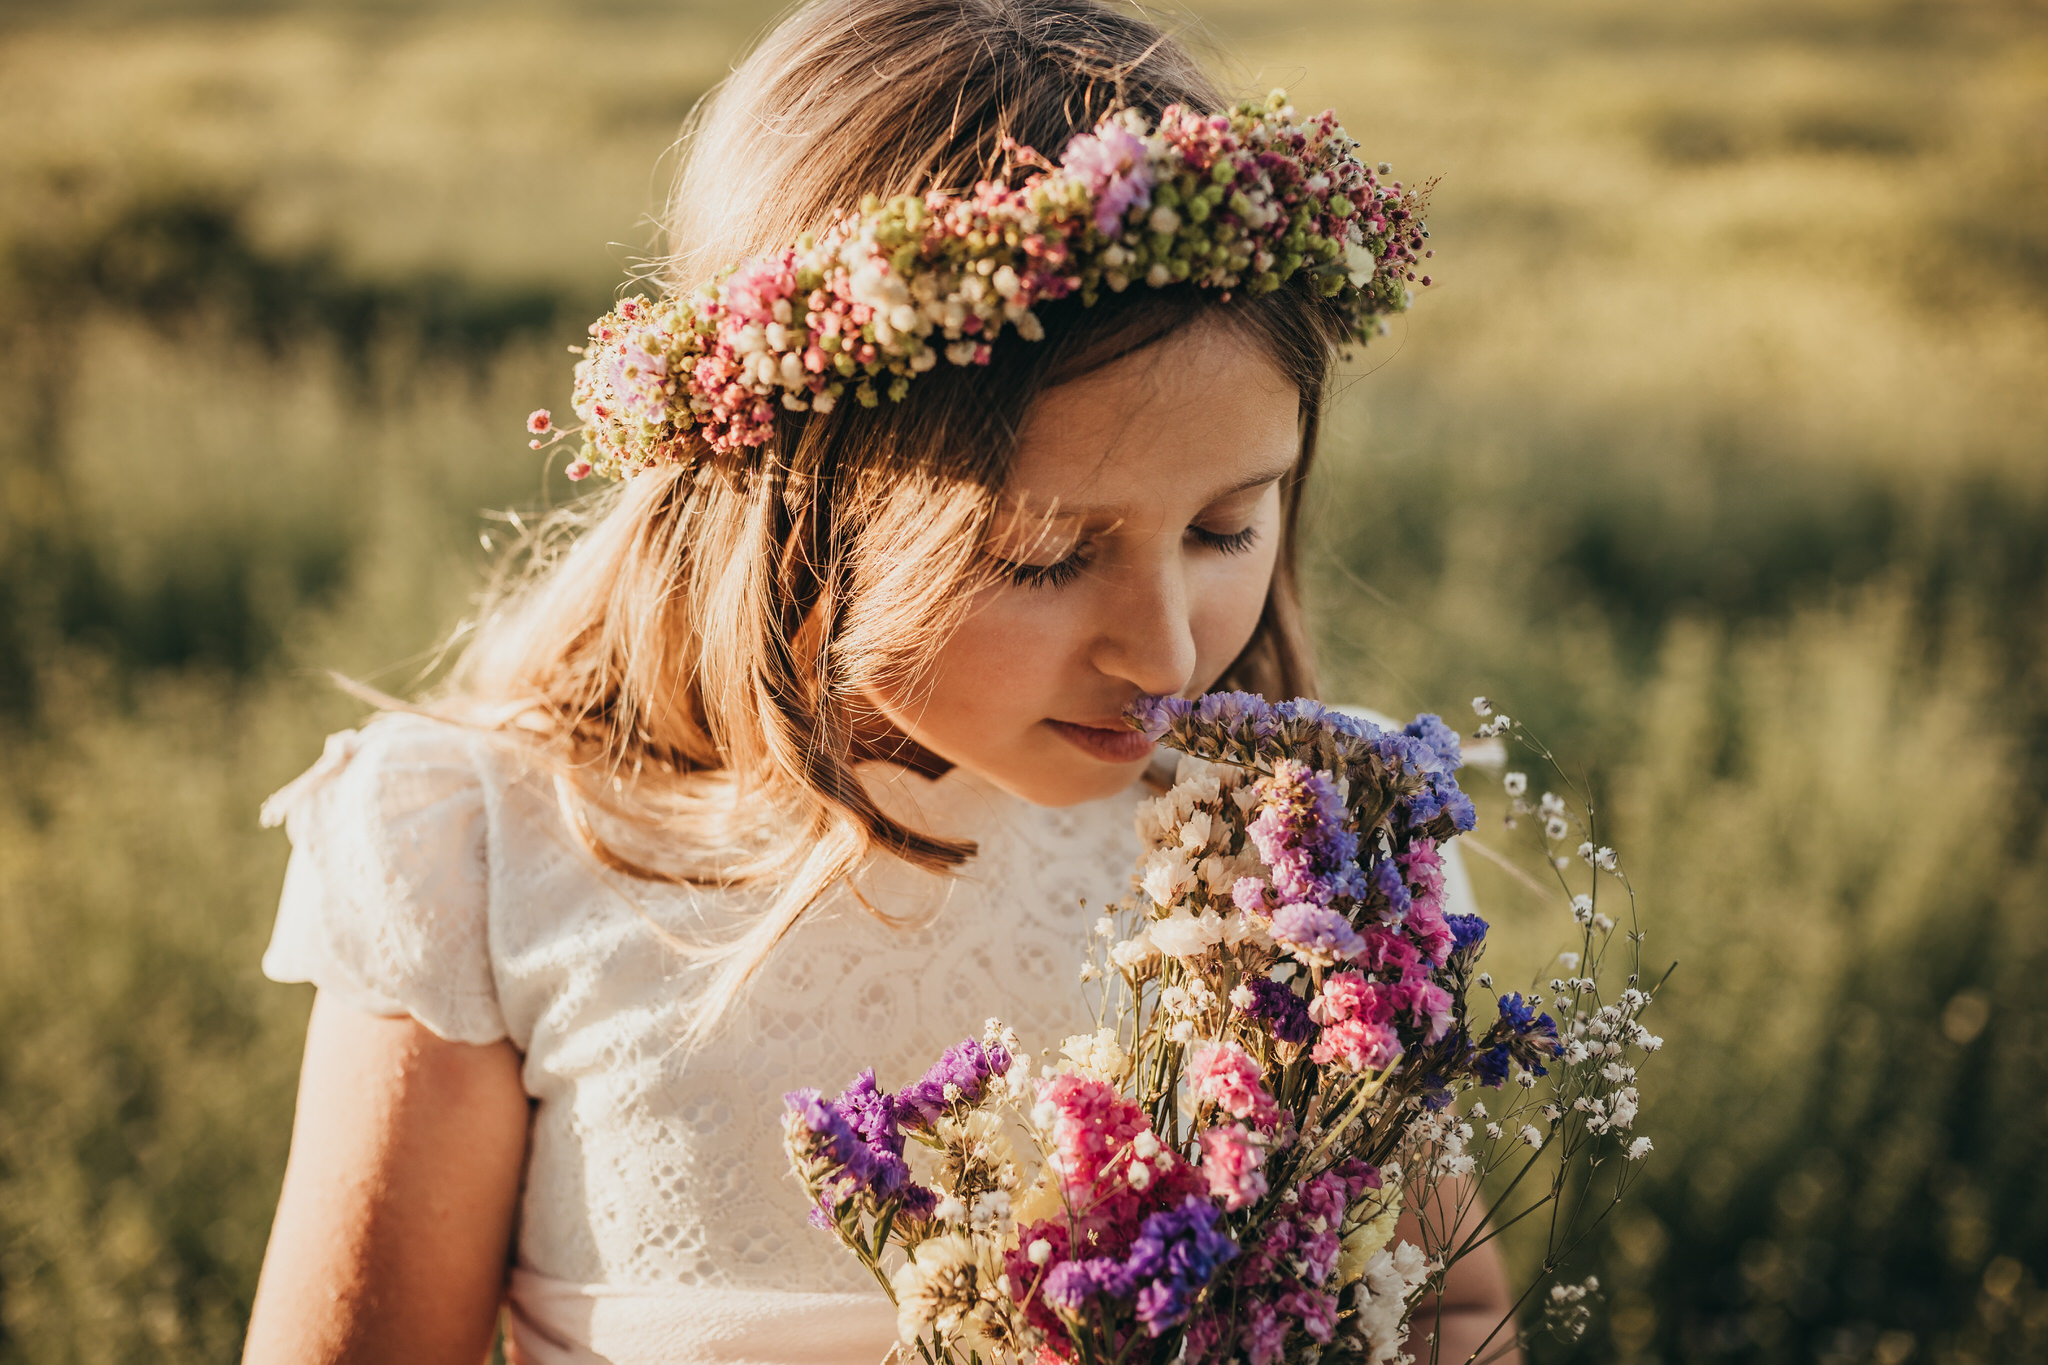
(1716, 457)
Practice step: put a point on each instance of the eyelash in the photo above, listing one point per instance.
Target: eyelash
(1059, 574)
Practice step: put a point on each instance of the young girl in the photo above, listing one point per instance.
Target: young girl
(790, 757)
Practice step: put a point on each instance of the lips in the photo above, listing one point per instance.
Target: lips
(1118, 744)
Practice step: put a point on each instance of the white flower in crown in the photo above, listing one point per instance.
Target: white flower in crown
(1252, 200)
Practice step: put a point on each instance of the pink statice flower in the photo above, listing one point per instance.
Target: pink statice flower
(1092, 1125)
(1111, 162)
(1252, 896)
(1231, 1161)
(1357, 1018)
(1225, 1075)
(1427, 1005)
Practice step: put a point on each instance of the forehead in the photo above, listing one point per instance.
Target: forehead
(1196, 412)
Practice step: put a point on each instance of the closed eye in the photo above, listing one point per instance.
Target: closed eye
(1056, 575)
(1229, 543)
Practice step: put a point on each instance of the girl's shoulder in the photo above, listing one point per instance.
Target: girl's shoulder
(386, 897)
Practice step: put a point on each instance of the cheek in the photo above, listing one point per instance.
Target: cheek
(1006, 657)
(1226, 598)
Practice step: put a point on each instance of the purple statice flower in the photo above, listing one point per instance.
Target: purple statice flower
(1467, 932)
(1072, 1283)
(1154, 716)
(1111, 163)
(1252, 896)
(1441, 795)
(966, 1067)
(918, 1202)
(1337, 724)
(1386, 876)
(871, 1112)
(1316, 935)
(1528, 1036)
(1285, 1013)
(1491, 1066)
(1300, 834)
(1231, 708)
(819, 1136)
(1440, 737)
(1178, 1252)
(1403, 751)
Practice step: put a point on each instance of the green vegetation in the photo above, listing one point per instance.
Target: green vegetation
(1717, 457)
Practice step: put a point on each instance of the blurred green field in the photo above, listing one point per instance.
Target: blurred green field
(1718, 457)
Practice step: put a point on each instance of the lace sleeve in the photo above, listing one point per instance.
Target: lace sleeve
(385, 900)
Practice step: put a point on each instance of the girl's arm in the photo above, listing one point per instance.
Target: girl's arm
(394, 1229)
(1476, 1293)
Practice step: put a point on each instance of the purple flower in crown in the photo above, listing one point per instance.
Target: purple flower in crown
(959, 1077)
(1300, 834)
(1111, 163)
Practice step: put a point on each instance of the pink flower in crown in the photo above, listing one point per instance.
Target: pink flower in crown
(1225, 1075)
(1111, 164)
(1231, 1161)
(752, 291)
(639, 377)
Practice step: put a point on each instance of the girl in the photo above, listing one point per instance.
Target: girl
(791, 755)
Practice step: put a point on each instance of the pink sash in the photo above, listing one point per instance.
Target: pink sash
(557, 1322)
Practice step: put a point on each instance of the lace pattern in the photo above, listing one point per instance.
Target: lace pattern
(432, 875)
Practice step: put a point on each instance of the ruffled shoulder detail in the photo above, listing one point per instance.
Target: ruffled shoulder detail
(386, 899)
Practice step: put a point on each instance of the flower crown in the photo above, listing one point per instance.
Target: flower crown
(1248, 200)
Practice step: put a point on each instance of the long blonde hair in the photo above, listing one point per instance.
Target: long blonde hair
(686, 651)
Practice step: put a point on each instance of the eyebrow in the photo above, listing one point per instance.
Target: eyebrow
(1064, 511)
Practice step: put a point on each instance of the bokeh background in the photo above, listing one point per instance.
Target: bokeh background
(1717, 456)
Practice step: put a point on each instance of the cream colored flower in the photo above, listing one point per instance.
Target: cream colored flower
(948, 1285)
(1097, 1055)
(976, 1154)
(1184, 935)
(1369, 1238)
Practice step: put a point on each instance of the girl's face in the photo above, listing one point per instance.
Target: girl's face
(1137, 547)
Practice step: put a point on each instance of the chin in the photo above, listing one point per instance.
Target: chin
(1069, 781)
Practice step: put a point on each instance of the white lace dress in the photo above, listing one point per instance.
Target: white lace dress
(432, 875)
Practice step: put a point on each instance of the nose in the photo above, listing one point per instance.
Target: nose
(1146, 637)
